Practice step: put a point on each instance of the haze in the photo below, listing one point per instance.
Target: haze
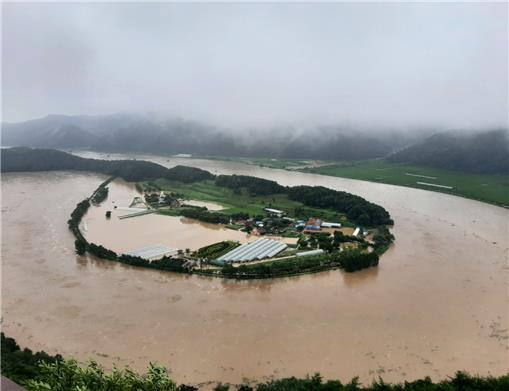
(245, 65)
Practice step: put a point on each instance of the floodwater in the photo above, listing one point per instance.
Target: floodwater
(208, 205)
(437, 303)
(129, 234)
(123, 235)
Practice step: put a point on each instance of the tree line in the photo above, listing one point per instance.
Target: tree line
(100, 195)
(216, 250)
(356, 208)
(202, 214)
(27, 159)
(349, 260)
(254, 186)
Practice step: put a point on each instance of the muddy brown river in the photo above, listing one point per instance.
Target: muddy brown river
(437, 303)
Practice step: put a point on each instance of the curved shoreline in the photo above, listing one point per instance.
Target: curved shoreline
(266, 270)
(160, 159)
(431, 259)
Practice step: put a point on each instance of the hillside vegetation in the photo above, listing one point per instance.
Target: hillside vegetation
(27, 159)
(480, 153)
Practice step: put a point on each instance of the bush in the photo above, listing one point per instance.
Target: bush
(20, 365)
(69, 375)
(203, 214)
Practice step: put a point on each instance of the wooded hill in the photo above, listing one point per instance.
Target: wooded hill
(480, 153)
(27, 159)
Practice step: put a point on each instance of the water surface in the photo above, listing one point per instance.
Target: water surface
(436, 304)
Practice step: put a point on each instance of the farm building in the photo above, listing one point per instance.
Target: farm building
(274, 212)
(153, 252)
(259, 249)
(330, 225)
(310, 252)
(313, 225)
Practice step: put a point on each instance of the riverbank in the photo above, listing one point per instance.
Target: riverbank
(492, 189)
(349, 260)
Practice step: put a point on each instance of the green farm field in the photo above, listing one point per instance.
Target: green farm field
(492, 189)
(243, 202)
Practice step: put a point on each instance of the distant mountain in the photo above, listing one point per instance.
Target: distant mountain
(161, 135)
(482, 152)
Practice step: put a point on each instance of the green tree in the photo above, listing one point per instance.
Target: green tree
(69, 375)
(80, 245)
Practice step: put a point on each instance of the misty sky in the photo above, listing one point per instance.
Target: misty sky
(242, 65)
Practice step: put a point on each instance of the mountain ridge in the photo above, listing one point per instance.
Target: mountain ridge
(474, 152)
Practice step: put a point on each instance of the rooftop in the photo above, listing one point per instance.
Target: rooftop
(152, 252)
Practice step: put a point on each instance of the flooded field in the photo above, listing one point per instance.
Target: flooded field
(132, 233)
(208, 205)
(436, 304)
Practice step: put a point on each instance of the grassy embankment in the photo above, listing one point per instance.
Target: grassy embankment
(243, 202)
(493, 189)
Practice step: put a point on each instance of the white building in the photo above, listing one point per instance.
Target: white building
(330, 225)
(274, 212)
(153, 252)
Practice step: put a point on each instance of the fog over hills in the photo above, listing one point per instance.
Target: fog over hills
(329, 81)
(151, 133)
(261, 65)
(484, 151)
(477, 152)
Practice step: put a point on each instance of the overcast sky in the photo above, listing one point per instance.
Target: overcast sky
(238, 65)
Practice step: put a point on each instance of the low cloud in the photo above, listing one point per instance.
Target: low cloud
(259, 65)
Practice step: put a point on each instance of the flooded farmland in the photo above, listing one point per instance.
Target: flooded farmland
(128, 234)
(436, 304)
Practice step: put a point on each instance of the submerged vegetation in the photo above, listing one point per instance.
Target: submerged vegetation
(100, 195)
(41, 372)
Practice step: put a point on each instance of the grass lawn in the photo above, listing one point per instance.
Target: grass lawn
(236, 203)
(488, 188)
